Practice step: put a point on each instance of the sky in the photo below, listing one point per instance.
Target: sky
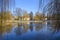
(29, 5)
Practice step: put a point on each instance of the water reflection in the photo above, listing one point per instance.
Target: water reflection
(26, 27)
(31, 26)
(19, 29)
(23, 27)
(54, 24)
(6, 28)
(38, 26)
(31, 29)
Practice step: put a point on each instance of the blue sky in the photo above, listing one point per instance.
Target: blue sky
(29, 5)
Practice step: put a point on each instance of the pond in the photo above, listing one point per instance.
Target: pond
(29, 31)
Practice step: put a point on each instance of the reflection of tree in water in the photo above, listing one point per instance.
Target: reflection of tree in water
(26, 27)
(38, 26)
(22, 28)
(19, 29)
(0, 31)
(31, 26)
(5, 28)
(56, 25)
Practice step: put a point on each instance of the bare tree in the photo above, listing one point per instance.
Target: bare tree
(19, 12)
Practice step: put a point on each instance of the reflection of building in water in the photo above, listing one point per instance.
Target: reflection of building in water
(19, 29)
(26, 27)
(38, 26)
(26, 22)
(31, 26)
(22, 28)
